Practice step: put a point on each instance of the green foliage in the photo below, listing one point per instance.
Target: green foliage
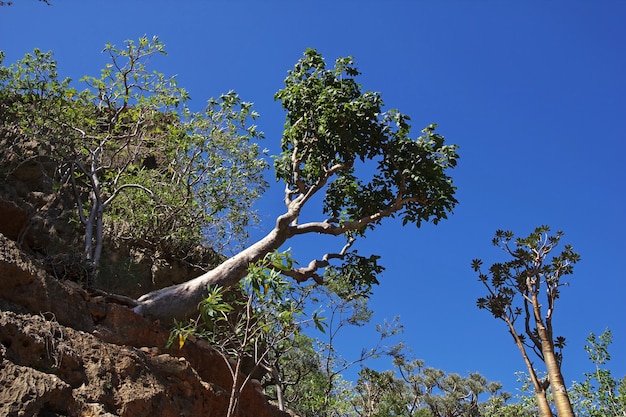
(354, 277)
(252, 325)
(497, 407)
(207, 185)
(308, 388)
(262, 322)
(270, 310)
(413, 389)
(134, 155)
(380, 394)
(525, 275)
(312, 368)
(331, 125)
(600, 394)
(339, 144)
(213, 307)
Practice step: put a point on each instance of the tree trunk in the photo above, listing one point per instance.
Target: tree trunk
(557, 383)
(235, 391)
(279, 388)
(540, 390)
(181, 301)
(542, 403)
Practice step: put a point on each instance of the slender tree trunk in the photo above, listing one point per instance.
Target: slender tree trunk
(235, 391)
(89, 223)
(557, 382)
(540, 390)
(97, 250)
(279, 388)
(542, 400)
(559, 391)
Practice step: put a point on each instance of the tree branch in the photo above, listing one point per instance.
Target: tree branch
(329, 227)
(310, 271)
(118, 190)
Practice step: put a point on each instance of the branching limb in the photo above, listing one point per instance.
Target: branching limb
(119, 189)
(329, 227)
(310, 271)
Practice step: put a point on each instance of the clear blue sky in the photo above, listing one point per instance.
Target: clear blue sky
(534, 93)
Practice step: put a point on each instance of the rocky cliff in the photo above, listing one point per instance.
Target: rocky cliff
(67, 352)
(67, 349)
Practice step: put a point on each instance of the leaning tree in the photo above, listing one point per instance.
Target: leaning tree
(339, 143)
(130, 148)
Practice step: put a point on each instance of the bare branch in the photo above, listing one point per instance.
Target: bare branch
(118, 190)
(329, 227)
(310, 271)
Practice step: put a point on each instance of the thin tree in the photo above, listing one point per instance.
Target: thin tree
(600, 394)
(246, 332)
(522, 292)
(180, 177)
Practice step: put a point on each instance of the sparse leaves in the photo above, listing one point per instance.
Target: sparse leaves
(600, 394)
(136, 157)
(526, 274)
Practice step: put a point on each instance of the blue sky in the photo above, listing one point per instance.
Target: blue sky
(533, 92)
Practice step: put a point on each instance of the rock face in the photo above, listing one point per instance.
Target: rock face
(66, 352)
(42, 221)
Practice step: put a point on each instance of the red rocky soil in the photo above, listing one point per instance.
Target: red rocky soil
(66, 352)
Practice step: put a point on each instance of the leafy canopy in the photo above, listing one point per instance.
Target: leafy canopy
(332, 125)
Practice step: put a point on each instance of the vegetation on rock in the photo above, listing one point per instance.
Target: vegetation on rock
(136, 167)
(132, 155)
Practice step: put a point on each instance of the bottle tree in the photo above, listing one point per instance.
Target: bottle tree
(522, 292)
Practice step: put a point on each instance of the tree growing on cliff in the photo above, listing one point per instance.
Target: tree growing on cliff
(339, 147)
(340, 144)
(247, 332)
(128, 148)
(522, 292)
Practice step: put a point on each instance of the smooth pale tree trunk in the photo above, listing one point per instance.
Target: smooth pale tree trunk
(279, 388)
(555, 377)
(538, 386)
(557, 382)
(181, 301)
(559, 392)
(540, 395)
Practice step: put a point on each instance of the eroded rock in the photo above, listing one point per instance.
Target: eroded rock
(65, 352)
